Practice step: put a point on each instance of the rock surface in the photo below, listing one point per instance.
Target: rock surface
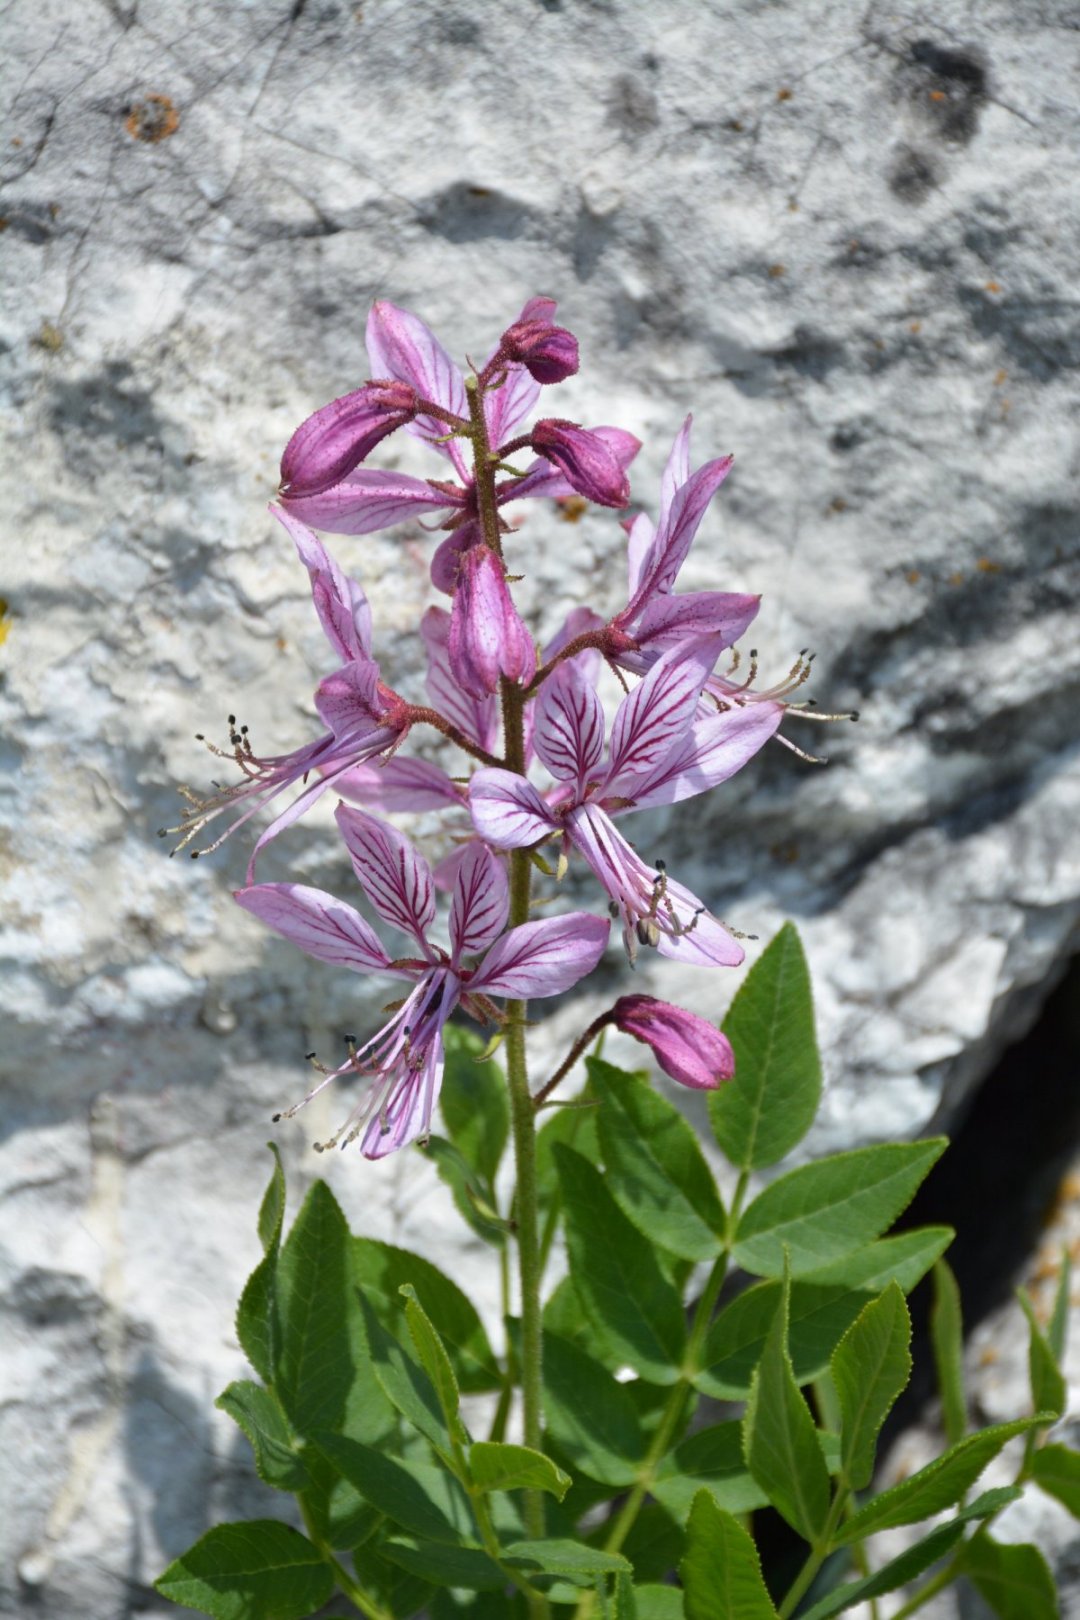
(843, 236)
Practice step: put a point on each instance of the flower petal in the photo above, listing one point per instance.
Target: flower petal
(507, 811)
(320, 924)
(478, 718)
(407, 1112)
(676, 470)
(339, 601)
(488, 638)
(569, 734)
(401, 783)
(394, 876)
(401, 345)
(481, 902)
(716, 746)
(687, 1047)
(349, 700)
(368, 499)
(675, 535)
(668, 620)
(543, 958)
(651, 720)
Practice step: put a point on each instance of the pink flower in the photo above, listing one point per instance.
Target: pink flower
(688, 1048)
(364, 718)
(662, 750)
(585, 460)
(404, 1061)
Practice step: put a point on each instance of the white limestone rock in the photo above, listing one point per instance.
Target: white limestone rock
(842, 236)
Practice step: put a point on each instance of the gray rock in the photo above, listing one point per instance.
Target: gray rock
(843, 237)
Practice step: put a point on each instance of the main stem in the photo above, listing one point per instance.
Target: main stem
(522, 1113)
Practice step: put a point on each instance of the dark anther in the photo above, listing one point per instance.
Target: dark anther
(350, 1040)
(232, 719)
(200, 737)
(275, 1118)
(308, 1056)
(195, 854)
(163, 832)
(613, 908)
(243, 731)
(854, 714)
(661, 866)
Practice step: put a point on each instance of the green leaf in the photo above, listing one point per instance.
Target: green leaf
(712, 1460)
(572, 1560)
(258, 1413)
(1056, 1470)
(420, 1498)
(770, 1105)
(937, 1486)
(498, 1467)
(947, 1338)
(1048, 1390)
(1057, 1331)
(590, 1415)
(254, 1317)
(1014, 1580)
(435, 1362)
(405, 1385)
(260, 1570)
(824, 1210)
(398, 1591)
(720, 1570)
(475, 1200)
(658, 1603)
(913, 1561)
(272, 1208)
(474, 1101)
(780, 1439)
(655, 1169)
(617, 1276)
(381, 1269)
(870, 1367)
(318, 1350)
(823, 1306)
(468, 1567)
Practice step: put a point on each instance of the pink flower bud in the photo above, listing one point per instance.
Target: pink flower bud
(336, 439)
(688, 1048)
(548, 353)
(488, 637)
(584, 459)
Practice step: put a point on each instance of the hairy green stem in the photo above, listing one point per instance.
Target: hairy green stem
(355, 1593)
(818, 1554)
(522, 1113)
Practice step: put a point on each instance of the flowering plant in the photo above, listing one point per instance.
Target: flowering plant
(603, 1475)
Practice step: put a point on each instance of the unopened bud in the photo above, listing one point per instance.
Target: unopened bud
(327, 447)
(584, 459)
(688, 1048)
(548, 353)
(488, 638)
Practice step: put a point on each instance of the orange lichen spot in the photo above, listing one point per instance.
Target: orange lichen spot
(956, 579)
(837, 504)
(48, 337)
(989, 1356)
(16, 140)
(281, 644)
(913, 576)
(1069, 1191)
(4, 222)
(784, 94)
(776, 270)
(5, 621)
(915, 326)
(736, 124)
(787, 850)
(986, 565)
(993, 286)
(1000, 377)
(154, 119)
(572, 508)
(937, 95)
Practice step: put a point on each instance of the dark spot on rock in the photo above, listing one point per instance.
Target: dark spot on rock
(632, 107)
(912, 175)
(464, 213)
(34, 222)
(948, 87)
(458, 31)
(848, 436)
(810, 353)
